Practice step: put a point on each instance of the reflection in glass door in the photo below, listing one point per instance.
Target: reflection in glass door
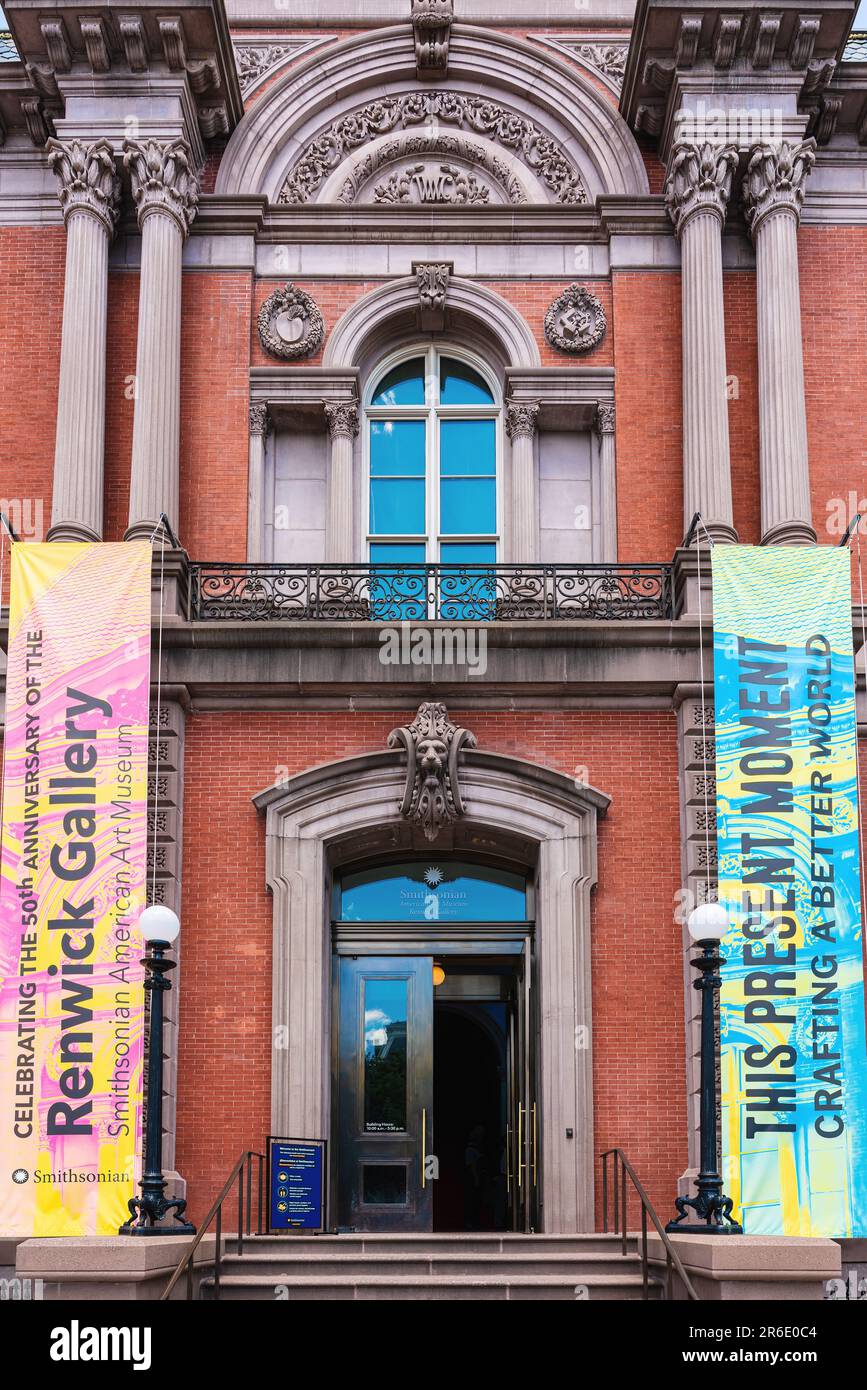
(385, 1046)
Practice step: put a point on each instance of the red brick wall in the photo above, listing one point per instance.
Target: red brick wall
(739, 292)
(215, 395)
(32, 262)
(225, 1023)
(649, 399)
(833, 264)
(123, 291)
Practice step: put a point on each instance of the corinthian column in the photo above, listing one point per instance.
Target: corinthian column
(521, 418)
(696, 195)
(166, 192)
(260, 425)
(89, 190)
(343, 427)
(607, 483)
(773, 197)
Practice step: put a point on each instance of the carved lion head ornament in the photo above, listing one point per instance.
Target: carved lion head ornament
(432, 796)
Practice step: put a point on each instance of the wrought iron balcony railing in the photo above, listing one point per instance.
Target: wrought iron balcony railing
(8, 52)
(424, 593)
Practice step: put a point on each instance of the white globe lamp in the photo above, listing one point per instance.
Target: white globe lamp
(158, 923)
(709, 922)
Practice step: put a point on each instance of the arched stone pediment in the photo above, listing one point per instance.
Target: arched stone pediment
(508, 125)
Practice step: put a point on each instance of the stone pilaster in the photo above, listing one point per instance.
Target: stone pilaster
(165, 191)
(773, 193)
(521, 420)
(260, 425)
(605, 418)
(697, 193)
(343, 426)
(89, 191)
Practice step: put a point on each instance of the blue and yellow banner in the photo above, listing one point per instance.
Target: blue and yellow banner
(794, 1062)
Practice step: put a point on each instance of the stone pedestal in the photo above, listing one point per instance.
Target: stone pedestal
(125, 1269)
(750, 1268)
(697, 194)
(521, 421)
(89, 191)
(165, 191)
(773, 198)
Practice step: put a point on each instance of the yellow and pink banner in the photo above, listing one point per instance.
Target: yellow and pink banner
(73, 886)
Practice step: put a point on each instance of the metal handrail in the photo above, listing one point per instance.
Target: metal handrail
(672, 1257)
(216, 1214)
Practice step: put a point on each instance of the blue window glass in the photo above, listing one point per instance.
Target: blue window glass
(397, 478)
(468, 447)
(402, 386)
(432, 890)
(398, 583)
(467, 588)
(468, 485)
(460, 385)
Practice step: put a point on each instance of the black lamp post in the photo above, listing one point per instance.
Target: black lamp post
(159, 927)
(707, 926)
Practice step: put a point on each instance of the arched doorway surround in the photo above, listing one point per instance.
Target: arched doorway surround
(339, 813)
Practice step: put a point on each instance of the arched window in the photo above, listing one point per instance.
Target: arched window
(433, 462)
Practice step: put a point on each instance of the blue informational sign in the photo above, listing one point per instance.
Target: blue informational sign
(296, 1184)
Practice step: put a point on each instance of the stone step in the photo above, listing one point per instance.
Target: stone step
(448, 1263)
(338, 1288)
(477, 1242)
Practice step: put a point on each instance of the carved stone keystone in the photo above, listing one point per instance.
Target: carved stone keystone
(433, 744)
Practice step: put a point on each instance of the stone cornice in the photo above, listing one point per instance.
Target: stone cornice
(683, 51)
(63, 44)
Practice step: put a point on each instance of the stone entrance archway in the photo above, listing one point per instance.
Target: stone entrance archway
(346, 810)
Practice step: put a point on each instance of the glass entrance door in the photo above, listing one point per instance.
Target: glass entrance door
(385, 1064)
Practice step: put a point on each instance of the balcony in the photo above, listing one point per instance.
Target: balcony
(264, 593)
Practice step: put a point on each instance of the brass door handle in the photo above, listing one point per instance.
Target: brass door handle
(520, 1127)
(423, 1148)
(534, 1144)
(508, 1158)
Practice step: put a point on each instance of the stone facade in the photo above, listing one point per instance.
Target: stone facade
(197, 298)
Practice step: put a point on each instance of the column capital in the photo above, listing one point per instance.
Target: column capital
(343, 420)
(163, 179)
(260, 420)
(605, 414)
(775, 180)
(699, 180)
(87, 178)
(521, 418)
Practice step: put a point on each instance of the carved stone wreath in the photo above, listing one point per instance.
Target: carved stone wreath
(576, 321)
(544, 156)
(290, 324)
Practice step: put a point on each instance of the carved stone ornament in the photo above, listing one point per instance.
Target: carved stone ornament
(440, 184)
(260, 420)
(432, 26)
(343, 419)
(775, 180)
(432, 744)
(163, 179)
(433, 287)
(290, 324)
(542, 155)
(521, 418)
(576, 321)
(699, 180)
(88, 179)
(255, 61)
